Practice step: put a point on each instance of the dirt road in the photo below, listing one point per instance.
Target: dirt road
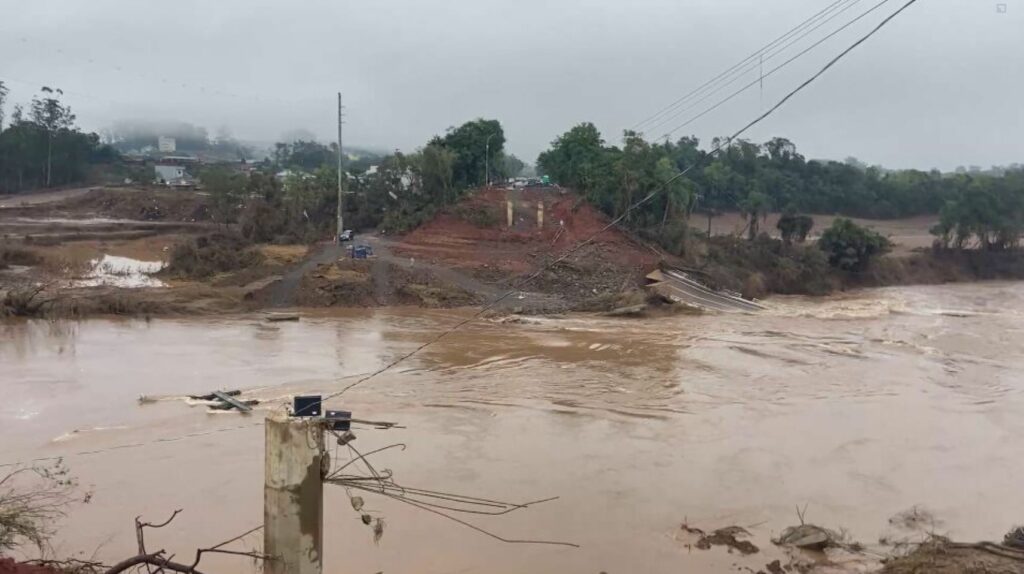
(27, 199)
(487, 292)
(283, 293)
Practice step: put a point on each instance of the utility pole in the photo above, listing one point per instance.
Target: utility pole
(293, 495)
(341, 193)
(487, 160)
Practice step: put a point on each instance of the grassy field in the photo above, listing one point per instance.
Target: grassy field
(906, 234)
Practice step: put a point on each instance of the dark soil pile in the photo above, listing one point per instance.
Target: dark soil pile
(342, 284)
(371, 283)
(137, 204)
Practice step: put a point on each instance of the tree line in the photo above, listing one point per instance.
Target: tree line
(756, 179)
(395, 192)
(42, 147)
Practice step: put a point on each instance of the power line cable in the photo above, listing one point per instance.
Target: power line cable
(769, 73)
(133, 445)
(754, 65)
(741, 62)
(629, 209)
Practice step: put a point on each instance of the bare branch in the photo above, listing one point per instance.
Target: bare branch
(154, 559)
(217, 548)
(162, 524)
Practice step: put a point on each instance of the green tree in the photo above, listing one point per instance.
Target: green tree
(304, 155)
(755, 207)
(437, 170)
(720, 179)
(48, 113)
(574, 158)
(794, 227)
(512, 166)
(478, 146)
(989, 210)
(851, 247)
(677, 191)
(3, 102)
(226, 191)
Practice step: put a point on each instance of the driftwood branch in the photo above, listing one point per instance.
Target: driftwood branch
(140, 538)
(218, 548)
(154, 559)
(163, 563)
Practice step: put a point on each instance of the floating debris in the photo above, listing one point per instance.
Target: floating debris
(115, 271)
(806, 536)
(728, 537)
(1015, 538)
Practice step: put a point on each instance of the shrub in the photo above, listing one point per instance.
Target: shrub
(262, 222)
(211, 254)
(795, 227)
(795, 269)
(479, 216)
(17, 256)
(32, 500)
(851, 247)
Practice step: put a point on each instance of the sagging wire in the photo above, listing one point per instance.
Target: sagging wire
(434, 501)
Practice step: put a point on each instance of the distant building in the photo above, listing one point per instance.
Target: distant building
(172, 175)
(166, 144)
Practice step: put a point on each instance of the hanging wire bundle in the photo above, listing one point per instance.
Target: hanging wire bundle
(437, 502)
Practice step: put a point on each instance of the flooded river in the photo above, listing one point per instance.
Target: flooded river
(858, 406)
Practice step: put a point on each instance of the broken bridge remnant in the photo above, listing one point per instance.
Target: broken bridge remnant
(675, 285)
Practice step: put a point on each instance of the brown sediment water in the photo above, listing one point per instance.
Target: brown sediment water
(859, 406)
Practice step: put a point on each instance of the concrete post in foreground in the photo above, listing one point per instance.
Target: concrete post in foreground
(293, 496)
(508, 212)
(540, 214)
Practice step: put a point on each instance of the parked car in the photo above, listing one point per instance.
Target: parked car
(346, 235)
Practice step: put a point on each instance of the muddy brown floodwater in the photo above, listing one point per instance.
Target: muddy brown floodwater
(859, 406)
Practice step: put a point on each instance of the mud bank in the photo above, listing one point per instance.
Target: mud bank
(477, 252)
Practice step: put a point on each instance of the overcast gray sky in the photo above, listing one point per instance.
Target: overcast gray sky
(939, 87)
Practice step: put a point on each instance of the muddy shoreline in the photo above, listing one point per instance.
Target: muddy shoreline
(50, 247)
